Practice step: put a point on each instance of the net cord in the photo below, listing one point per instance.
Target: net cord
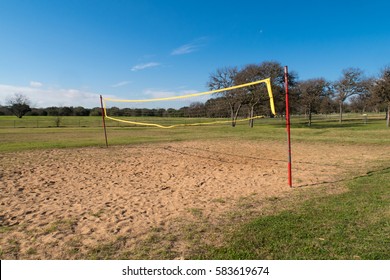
(266, 81)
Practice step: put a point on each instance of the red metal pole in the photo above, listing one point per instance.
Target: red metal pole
(104, 120)
(288, 126)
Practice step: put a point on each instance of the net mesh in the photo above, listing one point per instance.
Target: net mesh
(238, 103)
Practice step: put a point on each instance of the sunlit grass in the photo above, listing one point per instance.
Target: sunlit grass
(352, 225)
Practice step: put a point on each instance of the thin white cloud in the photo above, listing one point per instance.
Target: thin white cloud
(144, 66)
(120, 84)
(35, 84)
(42, 97)
(190, 47)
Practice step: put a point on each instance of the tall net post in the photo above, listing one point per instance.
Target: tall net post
(288, 126)
(104, 119)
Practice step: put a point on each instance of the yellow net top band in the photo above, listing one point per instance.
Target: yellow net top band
(266, 81)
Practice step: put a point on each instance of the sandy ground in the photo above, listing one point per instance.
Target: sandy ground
(50, 198)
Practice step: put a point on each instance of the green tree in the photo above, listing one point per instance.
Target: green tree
(96, 111)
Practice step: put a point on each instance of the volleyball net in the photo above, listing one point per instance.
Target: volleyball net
(237, 103)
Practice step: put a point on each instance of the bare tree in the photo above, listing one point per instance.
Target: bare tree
(19, 104)
(223, 78)
(311, 94)
(364, 101)
(328, 105)
(254, 95)
(350, 84)
(381, 90)
(275, 71)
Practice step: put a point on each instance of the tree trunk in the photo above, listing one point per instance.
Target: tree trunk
(310, 118)
(388, 115)
(232, 116)
(236, 115)
(341, 111)
(251, 117)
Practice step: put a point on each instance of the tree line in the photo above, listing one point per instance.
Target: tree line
(352, 92)
(19, 105)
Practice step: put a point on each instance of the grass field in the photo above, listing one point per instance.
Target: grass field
(352, 225)
(41, 132)
(352, 221)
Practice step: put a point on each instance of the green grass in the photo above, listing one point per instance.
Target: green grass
(352, 225)
(90, 133)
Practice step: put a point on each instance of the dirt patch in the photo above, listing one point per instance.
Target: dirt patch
(56, 204)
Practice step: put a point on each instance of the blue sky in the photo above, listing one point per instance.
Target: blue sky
(66, 53)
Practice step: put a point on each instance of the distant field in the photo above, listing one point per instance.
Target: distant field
(42, 132)
(49, 121)
(96, 121)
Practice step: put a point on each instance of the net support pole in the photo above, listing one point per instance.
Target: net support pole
(288, 126)
(104, 120)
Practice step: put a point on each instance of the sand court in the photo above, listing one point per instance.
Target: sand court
(50, 198)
